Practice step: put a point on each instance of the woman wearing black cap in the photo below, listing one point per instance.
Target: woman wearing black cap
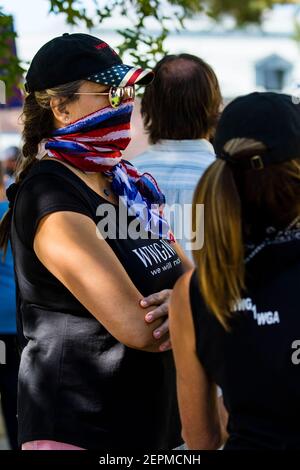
(95, 372)
(235, 320)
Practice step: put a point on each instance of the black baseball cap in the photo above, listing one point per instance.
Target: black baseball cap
(79, 56)
(270, 118)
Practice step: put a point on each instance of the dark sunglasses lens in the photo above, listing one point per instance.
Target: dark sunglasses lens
(116, 96)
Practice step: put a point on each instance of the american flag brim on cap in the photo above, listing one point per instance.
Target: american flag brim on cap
(122, 75)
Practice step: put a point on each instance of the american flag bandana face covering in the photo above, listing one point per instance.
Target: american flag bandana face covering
(94, 144)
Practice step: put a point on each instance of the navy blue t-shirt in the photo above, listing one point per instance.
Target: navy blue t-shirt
(255, 363)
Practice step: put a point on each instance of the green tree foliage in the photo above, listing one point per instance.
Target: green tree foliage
(144, 47)
(10, 67)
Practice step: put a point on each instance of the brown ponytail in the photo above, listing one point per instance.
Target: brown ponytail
(38, 124)
(220, 261)
(238, 206)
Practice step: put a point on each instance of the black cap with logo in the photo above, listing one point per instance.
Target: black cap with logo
(79, 56)
(270, 118)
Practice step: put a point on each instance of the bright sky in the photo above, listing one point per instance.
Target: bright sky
(35, 26)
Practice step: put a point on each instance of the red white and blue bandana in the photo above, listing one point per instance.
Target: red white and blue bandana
(94, 144)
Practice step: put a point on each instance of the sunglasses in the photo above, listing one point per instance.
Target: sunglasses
(116, 94)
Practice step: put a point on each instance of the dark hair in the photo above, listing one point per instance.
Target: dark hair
(38, 124)
(183, 101)
(240, 206)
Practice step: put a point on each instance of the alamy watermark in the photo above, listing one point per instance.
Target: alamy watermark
(119, 222)
(2, 353)
(296, 354)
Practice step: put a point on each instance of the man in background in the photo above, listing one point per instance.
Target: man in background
(180, 110)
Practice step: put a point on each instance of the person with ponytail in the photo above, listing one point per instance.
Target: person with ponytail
(96, 371)
(234, 320)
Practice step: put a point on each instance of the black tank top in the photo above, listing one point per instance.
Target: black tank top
(77, 383)
(255, 364)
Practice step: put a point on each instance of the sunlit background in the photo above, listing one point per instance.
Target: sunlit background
(260, 57)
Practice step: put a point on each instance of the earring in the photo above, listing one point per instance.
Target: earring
(66, 119)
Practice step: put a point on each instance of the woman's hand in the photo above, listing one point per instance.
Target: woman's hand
(160, 300)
